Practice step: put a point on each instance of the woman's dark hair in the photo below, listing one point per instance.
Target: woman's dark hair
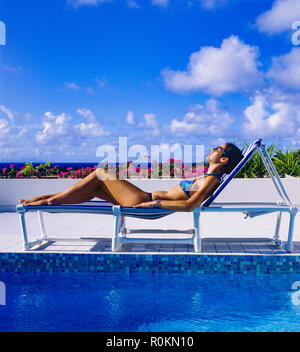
(234, 155)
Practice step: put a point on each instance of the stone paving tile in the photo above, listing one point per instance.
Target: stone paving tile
(167, 248)
(222, 247)
(235, 247)
(264, 248)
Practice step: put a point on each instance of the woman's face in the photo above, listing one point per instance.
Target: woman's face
(217, 154)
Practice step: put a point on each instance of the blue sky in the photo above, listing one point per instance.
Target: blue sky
(77, 74)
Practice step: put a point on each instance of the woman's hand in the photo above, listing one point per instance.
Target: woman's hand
(146, 204)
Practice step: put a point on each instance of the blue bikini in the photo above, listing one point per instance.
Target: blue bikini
(150, 196)
(186, 185)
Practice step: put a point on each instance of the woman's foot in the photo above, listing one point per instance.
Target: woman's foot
(39, 202)
(34, 199)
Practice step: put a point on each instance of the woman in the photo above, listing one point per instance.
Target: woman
(185, 196)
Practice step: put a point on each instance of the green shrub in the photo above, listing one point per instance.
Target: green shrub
(255, 166)
(287, 163)
(43, 169)
(28, 170)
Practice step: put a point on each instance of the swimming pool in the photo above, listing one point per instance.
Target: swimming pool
(149, 302)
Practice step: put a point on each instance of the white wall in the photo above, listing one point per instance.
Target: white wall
(237, 190)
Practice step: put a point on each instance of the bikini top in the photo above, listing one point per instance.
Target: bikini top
(186, 185)
(213, 174)
(206, 174)
(210, 174)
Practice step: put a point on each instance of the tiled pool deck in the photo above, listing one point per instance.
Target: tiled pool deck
(231, 244)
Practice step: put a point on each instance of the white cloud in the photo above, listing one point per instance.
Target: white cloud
(13, 69)
(4, 128)
(211, 4)
(77, 3)
(10, 130)
(130, 118)
(7, 112)
(162, 3)
(28, 117)
(92, 128)
(88, 114)
(280, 17)
(101, 83)
(151, 125)
(133, 4)
(272, 116)
(90, 90)
(231, 68)
(208, 120)
(71, 85)
(61, 126)
(54, 126)
(285, 70)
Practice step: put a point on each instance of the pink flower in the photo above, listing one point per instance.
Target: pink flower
(4, 169)
(12, 166)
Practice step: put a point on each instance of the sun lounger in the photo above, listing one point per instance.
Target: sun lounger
(120, 232)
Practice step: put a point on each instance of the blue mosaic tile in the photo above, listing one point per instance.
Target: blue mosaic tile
(158, 263)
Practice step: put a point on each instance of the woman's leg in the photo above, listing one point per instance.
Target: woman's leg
(125, 193)
(98, 184)
(160, 195)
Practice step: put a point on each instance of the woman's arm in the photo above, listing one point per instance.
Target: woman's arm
(208, 187)
(210, 184)
(177, 205)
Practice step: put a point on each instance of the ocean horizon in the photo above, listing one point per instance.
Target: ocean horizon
(62, 165)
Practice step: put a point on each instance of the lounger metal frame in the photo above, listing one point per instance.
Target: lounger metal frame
(120, 213)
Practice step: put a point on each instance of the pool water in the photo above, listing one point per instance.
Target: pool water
(149, 302)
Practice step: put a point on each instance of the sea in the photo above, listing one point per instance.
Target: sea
(72, 165)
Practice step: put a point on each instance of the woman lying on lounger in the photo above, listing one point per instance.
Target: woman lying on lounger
(185, 196)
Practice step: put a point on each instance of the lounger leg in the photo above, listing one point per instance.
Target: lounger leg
(123, 226)
(24, 230)
(197, 238)
(289, 244)
(277, 228)
(42, 225)
(117, 219)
